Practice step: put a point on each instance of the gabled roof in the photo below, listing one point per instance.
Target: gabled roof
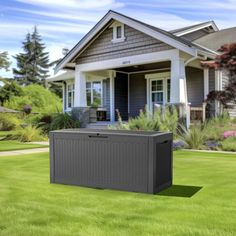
(160, 34)
(217, 39)
(192, 28)
(154, 32)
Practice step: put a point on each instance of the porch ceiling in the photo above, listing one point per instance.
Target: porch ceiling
(145, 67)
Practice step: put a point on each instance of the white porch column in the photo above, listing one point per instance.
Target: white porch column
(64, 95)
(112, 75)
(218, 87)
(206, 82)
(80, 89)
(178, 88)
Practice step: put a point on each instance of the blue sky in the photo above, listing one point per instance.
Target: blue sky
(62, 23)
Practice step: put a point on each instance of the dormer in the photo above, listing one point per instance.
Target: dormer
(118, 34)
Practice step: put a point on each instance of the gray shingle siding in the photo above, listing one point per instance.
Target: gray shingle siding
(195, 86)
(138, 93)
(121, 95)
(212, 88)
(136, 43)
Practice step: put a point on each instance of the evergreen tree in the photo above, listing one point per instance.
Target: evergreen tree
(4, 61)
(33, 63)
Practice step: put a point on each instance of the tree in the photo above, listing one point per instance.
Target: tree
(33, 63)
(9, 90)
(225, 61)
(4, 61)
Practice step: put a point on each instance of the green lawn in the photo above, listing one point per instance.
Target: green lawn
(202, 201)
(10, 145)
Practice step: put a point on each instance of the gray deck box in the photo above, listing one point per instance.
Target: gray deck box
(112, 159)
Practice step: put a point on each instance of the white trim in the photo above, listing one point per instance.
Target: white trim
(91, 81)
(196, 28)
(114, 33)
(63, 96)
(80, 88)
(70, 83)
(130, 22)
(164, 76)
(130, 61)
(206, 82)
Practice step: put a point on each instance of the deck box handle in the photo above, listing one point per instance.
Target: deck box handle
(97, 136)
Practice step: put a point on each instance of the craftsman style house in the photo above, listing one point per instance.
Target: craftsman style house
(128, 65)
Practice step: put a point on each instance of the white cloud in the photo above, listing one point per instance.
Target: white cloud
(78, 4)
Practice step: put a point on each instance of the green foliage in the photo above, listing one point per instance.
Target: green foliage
(8, 122)
(4, 61)
(215, 127)
(63, 121)
(165, 119)
(229, 144)
(194, 137)
(39, 98)
(33, 63)
(9, 90)
(29, 134)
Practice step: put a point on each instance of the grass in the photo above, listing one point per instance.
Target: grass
(10, 145)
(202, 201)
(5, 133)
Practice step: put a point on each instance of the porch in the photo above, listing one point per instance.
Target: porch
(130, 89)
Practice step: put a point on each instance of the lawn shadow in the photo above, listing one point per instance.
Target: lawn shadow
(180, 191)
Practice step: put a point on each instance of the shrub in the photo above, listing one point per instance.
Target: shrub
(8, 122)
(178, 144)
(63, 121)
(27, 109)
(163, 119)
(194, 137)
(39, 98)
(230, 133)
(229, 144)
(212, 145)
(28, 134)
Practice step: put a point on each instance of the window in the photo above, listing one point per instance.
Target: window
(157, 91)
(160, 91)
(118, 32)
(70, 95)
(94, 93)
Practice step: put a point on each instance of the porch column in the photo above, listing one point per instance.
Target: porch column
(80, 89)
(64, 95)
(206, 82)
(218, 87)
(178, 88)
(112, 75)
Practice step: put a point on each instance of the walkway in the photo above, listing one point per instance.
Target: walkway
(24, 151)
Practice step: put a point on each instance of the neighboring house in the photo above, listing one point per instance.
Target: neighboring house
(128, 65)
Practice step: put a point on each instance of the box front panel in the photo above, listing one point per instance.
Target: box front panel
(109, 161)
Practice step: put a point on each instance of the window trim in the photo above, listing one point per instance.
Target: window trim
(114, 32)
(91, 81)
(72, 95)
(165, 76)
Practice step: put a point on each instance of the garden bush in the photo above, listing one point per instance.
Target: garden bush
(8, 122)
(28, 134)
(162, 119)
(63, 121)
(39, 98)
(229, 144)
(195, 137)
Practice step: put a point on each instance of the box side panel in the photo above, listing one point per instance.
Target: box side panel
(105, 161)
(164, 163)
(52, 163)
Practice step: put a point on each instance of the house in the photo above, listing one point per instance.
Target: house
(125, 64)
